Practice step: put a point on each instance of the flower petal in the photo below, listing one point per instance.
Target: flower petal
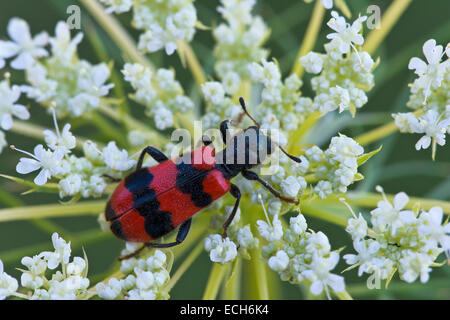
(19, 30)
(23, 61)
(27, 165)
(400, 200)
(417, 64)
(42, 177)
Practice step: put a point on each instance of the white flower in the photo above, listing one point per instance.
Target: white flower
(268, 232)
(23, 45)
(357, 227)
(110, 291)
(49, 162)
(313, 62)
(220, 250)
(157, 260)
(320, 275)
(63, 46)
(92, 83)
(318, 244)
(8, 107)
(413, 265)
(291, 186)
(246, 239)
(163, 118)
(431, 225)
(433, 73)
(344, 150)
(328, 4)
(61, 253)
(298, 224)
(366, 251)
(323, 189)
(144, 279)
(42, 88)
(279, 262)
(35, 265)
(77, 267)
(345, 34)
(8, 285)
(116, 159)
(268, 73)
(213, 92)
(387, 215)
(433, 127)
(64, 141)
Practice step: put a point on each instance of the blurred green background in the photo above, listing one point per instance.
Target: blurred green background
(399, 167)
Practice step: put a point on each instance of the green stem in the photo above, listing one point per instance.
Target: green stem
(392, 15)
(371, 199)
(380, 132)
(309, 122)
(132, 123)
(192, 62)
(52, 210)
(343, 295)
(215, 279)
(184, 266)
(117, 33)
(259, 275)
(232, 286)
(314, 209)
(310, 38)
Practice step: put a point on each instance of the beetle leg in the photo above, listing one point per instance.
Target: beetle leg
(181, 236)
(152, 152)
(223, 130)
(112, 179)
(235, 192)
(250, 175)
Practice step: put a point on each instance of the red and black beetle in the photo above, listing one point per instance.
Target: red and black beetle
(152, 201)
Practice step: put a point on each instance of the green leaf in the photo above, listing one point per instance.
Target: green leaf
(344, 8)
(362, 159)
(358, 176)
(388, 280)
(49, 187)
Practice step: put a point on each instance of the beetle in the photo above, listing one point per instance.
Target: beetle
(152, 201)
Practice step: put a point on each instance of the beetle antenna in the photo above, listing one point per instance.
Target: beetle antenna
(294, 158)
(241, 101)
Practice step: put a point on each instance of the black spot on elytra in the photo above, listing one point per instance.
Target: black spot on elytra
(157, 222)
(116, 228)
(110, 214)
(190, 181)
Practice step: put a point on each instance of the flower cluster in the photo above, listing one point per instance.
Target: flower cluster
(344, 73)
(430, 97)
(159, 92)
(400, 240)
(239, 239)
(77, 176)
(278, 98)
(144, 279)
(60, 78)
(238, 42)
(163, 22)
(68, 284)
(300, 256)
